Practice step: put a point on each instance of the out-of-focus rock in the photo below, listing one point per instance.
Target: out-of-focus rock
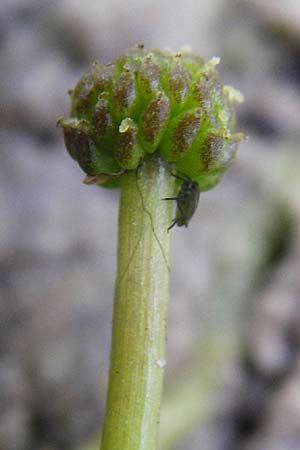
(281, 16)
(54, 311)
(280, 426)
(57, 236)
(15, 405)
(272, 337)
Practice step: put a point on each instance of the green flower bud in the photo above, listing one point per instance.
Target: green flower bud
(146, 102)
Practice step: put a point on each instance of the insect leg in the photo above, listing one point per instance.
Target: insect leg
(172, 224)
(178, 177)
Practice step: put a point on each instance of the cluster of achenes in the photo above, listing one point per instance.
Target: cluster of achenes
(153, 101)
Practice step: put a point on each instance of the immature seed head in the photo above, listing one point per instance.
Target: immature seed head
(154, 101)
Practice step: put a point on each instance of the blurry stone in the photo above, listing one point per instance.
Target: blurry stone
(57, 253)
(280, 429)
(269, 345)
(35, 95)
(15, 416)
(54, 310)
(272, 338)
(285, 17)
(264, 118)
(109, 26)
(265, 62)
(268, 443)
(285, 410)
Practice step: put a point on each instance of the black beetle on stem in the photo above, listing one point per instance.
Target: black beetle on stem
(187, 201)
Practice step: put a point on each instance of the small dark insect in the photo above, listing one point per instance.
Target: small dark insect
(187, 201)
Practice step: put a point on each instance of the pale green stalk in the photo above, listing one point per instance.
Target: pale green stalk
(139, 320)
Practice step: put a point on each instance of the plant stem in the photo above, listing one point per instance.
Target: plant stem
(139, 320)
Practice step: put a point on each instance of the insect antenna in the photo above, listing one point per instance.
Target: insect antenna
(170, 198)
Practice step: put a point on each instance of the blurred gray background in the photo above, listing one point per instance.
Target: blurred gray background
(233, 366)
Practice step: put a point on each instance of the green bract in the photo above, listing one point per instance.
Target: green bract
(153, 101)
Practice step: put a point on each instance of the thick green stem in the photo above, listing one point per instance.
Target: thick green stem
(139, 321)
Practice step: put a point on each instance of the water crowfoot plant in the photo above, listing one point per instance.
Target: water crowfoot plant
(159, 126)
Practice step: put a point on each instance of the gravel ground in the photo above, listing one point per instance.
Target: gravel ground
(235, 271)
